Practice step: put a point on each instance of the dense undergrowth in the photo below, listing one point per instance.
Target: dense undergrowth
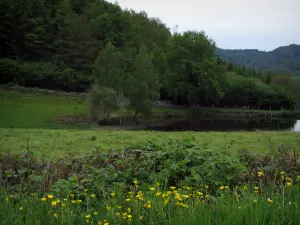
(169, 183)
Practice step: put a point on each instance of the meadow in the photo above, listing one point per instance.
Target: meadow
(65, 173)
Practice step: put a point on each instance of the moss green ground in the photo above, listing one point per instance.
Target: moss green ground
(34, 117)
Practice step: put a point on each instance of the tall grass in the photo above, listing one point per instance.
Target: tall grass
(230, 206)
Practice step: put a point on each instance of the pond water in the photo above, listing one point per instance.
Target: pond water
(226, 124)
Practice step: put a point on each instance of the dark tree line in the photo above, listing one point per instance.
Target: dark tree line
(70, 44)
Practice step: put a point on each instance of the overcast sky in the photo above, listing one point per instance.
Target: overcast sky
(232, 24)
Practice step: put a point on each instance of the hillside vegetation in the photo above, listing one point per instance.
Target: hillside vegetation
(69, 45)
(284, 60)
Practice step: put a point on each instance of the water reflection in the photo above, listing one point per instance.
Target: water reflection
(212, 124)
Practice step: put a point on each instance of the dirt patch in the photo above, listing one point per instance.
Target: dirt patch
(72, 119)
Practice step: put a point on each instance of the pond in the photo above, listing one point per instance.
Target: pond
(226, 124)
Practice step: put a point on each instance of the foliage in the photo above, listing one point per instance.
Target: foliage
(142, 86)
(108, 69)
(103, 101)
(285, 59)
(68, 45)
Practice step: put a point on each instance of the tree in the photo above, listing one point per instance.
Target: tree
(103, 101)
(143, 85)
(269, 77)
(109, 69)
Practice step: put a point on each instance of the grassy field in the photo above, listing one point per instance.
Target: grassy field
(55, 143)
(106, 177)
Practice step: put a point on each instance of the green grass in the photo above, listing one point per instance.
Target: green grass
(55, 143)
(174, 208)
(28, 110)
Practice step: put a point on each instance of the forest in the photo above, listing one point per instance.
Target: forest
(284, 59)
(71, 44)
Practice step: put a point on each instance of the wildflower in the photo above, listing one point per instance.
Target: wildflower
(260, 173)
(113, 194)
(55, 215)
(172, 188)
(245, 187)
(147, 205)
(93, 196)
(119, 207)
(87, 221)
(157, 184)
(256, 189)
(129, 210)
(118, 214)
(95, 213)
(185, 196)
(226, 187)
(79, 201)
(206, 186)
(11, 196)
(158, 194)
(72, 195)
(21, 208)
(43, 199)
(63, 205)
(222, 188)
(106, 223)
(127, 199)
(288, 179)
(199, 193)
(282, 173)
(254, 200)
(152, 189)
(73, 201)
(166, 201)
(270, 201)
(6, 199)
(135, 182)
(298, 177)
(53, 203)
(289, 184)
(141, 217)
(108, 208)
(88, 216)
(129, 216)
(50, 196)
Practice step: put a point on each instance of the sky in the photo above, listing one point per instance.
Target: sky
(232, 24)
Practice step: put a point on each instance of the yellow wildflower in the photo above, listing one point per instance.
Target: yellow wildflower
(289, 184)
(73, 201)
(158, 194)
(222, 187)
(93, 195)
(166, 201)
(129, 216)
(254, 200)
(127, 199)
(226, 187)
(79, 201)
(53, 203)
(270, 201)
(54, 215)
(43, 199)
(50, 196)
(108, 208)
(106, 223)
(95, 213)
(206, 186)
(172, 188)
(141, 217)
(21, 208)
(113, 194)
(260, 173)
(88, 216)
(282, 173)
(152, 189)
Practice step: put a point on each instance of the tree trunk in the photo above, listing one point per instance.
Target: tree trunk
(136, 113)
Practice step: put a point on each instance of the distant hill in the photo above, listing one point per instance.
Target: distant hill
(285, 59)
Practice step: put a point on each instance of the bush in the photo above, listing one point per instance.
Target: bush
(9, 71)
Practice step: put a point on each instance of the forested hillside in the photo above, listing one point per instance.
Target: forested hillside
(284, 59)
(71, 44)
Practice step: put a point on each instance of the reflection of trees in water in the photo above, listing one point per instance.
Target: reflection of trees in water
(226, 125)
